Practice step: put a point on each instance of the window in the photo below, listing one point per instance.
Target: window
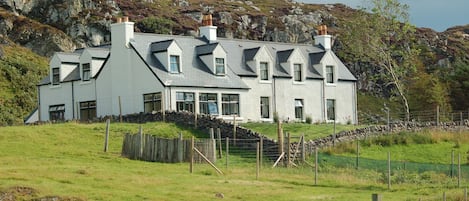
(86, 75)
(230, 104)
(264, 71)
(265, 107)
(219, 66)
(55, 76)
(174, 66)
(87, 110)
(329, 74)
(208, 103)
(299, 108)
(151, 102)
(297, 74)
(185, 101)
(57, 112)
(330, 109)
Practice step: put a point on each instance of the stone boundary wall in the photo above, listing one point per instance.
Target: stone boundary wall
(270, 146)
(378, 130)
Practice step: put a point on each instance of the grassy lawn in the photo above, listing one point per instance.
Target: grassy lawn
(311, 131)
(67, 160)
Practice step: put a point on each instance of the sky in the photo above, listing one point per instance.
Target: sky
(438, 15)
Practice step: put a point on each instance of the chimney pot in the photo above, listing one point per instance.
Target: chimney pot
(125, 19)
(119, 20)
(207, 20)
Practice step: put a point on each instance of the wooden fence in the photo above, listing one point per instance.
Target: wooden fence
(151, 148)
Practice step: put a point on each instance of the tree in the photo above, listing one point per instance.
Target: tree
(155, 25)
(383, 37)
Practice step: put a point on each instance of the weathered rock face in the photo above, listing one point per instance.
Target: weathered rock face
(42, 39)
(87, 22)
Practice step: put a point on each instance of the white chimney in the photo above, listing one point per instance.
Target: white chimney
(121, 32)
(323, 38)
(207, 29)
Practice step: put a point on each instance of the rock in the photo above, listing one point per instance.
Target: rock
(220, 195)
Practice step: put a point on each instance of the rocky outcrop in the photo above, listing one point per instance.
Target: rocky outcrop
(42, 39)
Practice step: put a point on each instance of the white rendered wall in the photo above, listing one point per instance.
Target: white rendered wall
(56, 95)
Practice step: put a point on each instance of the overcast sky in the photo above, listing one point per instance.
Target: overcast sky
(436, 14)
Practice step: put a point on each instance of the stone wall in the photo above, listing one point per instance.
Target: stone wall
(270, 145)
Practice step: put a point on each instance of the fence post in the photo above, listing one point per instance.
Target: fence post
(389, 170)
(437, 115)
(280, 137)
(191, 166)
(234, 130)
(180, 148)
(227, 151)
(333, 136)
(219, 142)
(358, 152)
(465, 194)
(459, 170)
(106, 138)
(213, 148)
(315, 166)
(452, 164)
(257, 160)
(288, 150)
(261, 149)
(140, 134)
(303, 148)
(376, 197)
(120, 110)
(444, 196)
(461, 119)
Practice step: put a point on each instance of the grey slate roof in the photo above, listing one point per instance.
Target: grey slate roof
(206, 48)
(315, 58)
(44, 81)
(100, 53)
(68, 57)
(282, 56)
(73, 76)
(161, 46)
(249, 54)
(194, 72)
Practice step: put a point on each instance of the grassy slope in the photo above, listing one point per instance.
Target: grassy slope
(311, 131)
(67, 160)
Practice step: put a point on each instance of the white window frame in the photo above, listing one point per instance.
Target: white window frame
(177, 63)
(266, 70)
(55, 76)
(330, 74)
(86, 74)
(220, 65)
(299, 106)
(298, 78)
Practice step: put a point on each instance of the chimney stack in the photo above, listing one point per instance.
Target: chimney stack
(323, 38)
(207, 29)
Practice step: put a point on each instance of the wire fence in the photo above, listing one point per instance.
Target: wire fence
(436, 115)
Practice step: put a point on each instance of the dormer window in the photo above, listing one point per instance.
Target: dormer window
(174, 64)
(86, 72)
(55, 76)
(297, 72)
(264, 70)
(330, 74)
(219, 66)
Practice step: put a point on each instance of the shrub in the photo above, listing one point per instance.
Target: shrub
(309, 120)
(155, 25)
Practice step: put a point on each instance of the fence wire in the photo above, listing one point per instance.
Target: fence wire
(450, 170)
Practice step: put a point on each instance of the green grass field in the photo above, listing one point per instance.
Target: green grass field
(311, 131)
(67, 160)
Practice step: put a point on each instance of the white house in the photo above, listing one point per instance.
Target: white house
(252, 80)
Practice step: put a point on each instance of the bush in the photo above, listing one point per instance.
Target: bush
(155, 25)
(309, 120)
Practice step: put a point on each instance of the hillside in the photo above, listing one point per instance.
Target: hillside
(63, 25)
(67, 162)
